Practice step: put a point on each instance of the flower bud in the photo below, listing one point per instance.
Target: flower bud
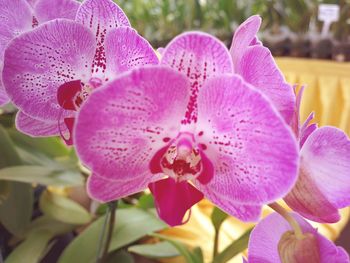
(298, 250)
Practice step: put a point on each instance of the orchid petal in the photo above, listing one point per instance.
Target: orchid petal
(308, 200)
(174, 199)
(37, 63)
(324, 180)
(254, 153)
(126, 50)
(105, 189)
(36, 128)
(101, 16)
(121, 126)
(199, 56)
(244, 212)
(16, 17)
(46, 10)
(3, 96)
(244, 36)
(258, 68)
(264, 239)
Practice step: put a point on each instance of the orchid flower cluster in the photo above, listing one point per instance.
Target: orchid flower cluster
(200, 121)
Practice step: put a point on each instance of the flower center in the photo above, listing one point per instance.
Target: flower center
(182, 161)
(70, 97)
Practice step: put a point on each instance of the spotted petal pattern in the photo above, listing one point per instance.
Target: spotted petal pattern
(199, 56)
(126, 50)
(121, 126)
(38, 62)
(101, 16)
(238, 126)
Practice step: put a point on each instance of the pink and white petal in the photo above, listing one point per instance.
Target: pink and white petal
(199, 56)
(16, 18)
(4, 99)
(330, 253)
(37, 128)
(122, 126)
(326, 160)
(31, 2)
(244, 212)
(258, 68)
(126, 50)
(254, 153)
(46, 10)
(245, 35)
(307, 199)
(105, 190)
(38, 62)
(264, 239)
(101, 16)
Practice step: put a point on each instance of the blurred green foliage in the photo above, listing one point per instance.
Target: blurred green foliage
(160, 20)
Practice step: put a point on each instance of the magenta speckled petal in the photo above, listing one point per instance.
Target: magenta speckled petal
(244, 212)
(37, 128)
(258, 68)
(266, 235)
(324, 184)
(105, 190)
(245, 35)
(121, 126)
(126, 50)
(38, 62)
(3, 96)
(16, 17)
(199, 56)
(46, 10)
(254, 153)
(101, 16)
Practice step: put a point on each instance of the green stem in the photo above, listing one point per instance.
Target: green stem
(104, 242)
(216, 243)
(286, 215)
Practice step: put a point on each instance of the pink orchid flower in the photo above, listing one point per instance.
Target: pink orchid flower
(18, 16)
(256, 65)
(192, 131)
(50, 71)
(265, 243)
(323, 185)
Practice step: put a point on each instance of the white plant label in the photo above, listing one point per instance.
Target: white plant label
(328, 13)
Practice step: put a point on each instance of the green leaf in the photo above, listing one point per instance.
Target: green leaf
(120, 256)
(50, 146)
(218, 217)
(63, 209)
(41, 175)
(31, 250)
(9, 156)
(16, 200)
(131, 225)
(40, 232)
(234, 248)
(146, 201)
(194, 256)
(16, 209)
(158, 250)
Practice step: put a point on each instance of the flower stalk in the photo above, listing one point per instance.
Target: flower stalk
(286, 215)
(106, 234)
